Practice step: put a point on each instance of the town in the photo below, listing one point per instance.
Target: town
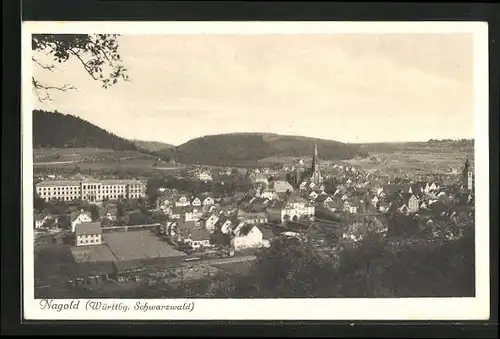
(203, 221)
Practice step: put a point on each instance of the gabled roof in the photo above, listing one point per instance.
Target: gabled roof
(88, 228)
(75, 215)
(199, 234)
(245, 229)
(323, 198)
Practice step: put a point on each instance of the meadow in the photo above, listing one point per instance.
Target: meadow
(94, 159)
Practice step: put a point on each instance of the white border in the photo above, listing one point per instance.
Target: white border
(278, 309)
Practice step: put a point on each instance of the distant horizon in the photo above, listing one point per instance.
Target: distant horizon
(268, 133)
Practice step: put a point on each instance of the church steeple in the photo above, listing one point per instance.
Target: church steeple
(316, 174)
(467, 176)
(315, 158)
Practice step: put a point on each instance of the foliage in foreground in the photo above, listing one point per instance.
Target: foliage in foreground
(374, 268)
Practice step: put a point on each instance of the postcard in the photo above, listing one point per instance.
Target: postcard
(255, 171)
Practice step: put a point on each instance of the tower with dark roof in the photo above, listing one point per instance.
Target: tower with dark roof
(467, 176)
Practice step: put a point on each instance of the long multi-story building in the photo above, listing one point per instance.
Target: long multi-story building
(90, 190)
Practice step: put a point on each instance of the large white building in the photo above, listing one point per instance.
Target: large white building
(293, 209)
(90, 190)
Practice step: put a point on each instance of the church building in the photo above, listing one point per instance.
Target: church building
(468, 176)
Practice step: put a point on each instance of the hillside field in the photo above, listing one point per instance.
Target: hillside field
(96, 159)
(415, 157)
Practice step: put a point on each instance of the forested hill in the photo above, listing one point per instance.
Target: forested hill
(245, 148)
(57, 130)
(152, 145)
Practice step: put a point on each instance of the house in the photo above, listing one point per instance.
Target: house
(196, 202)
(433, 187)
(208, 201)
(356, 231)
(163, 202)
(403, 209)
(210, 222)
(313, 195)
(88, 233)
(182, 201)
(179, 212)
(39, 220)
(204, 176)
(110, 214)
(383, 206)
(259, 178)
(323, 200)
(334, 205)
(45, 221)
(413, 203)
(193, 214)
(224, 224)
(268, 194)
(171, 229)
(292, 209)
(252, 217)
(197, 238)
(351, 205)
(78, 218)
(247, 236)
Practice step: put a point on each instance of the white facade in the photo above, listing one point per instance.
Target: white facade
(196, 202)
(91, 190)
(208, 201)
(205, 176)
(295, 211)
(253, 239)
(210, 222)
(88, 239)
(413, 204)
(182, 202)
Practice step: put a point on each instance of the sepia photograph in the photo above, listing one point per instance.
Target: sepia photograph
(305, 170)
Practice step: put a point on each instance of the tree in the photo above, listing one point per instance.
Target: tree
(39, 203)
(94, 211)
(97, 54)
(152, 187)
(120, 210)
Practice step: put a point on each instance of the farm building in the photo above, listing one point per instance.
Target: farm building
(126, 253)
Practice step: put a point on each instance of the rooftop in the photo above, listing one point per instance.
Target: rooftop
(88, 228)
(198, 234)
(134, 245)
(98, 253)
(52, 183)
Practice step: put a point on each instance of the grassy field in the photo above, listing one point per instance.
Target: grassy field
(415, 160)
(97, 159)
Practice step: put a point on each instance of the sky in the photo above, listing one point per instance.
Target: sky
(344, 87)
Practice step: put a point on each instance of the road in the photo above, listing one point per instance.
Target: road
(229, 260)
(57, 162)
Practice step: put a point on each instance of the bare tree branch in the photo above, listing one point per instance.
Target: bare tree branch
(97, 53)
(46, 89)
(47, 67)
